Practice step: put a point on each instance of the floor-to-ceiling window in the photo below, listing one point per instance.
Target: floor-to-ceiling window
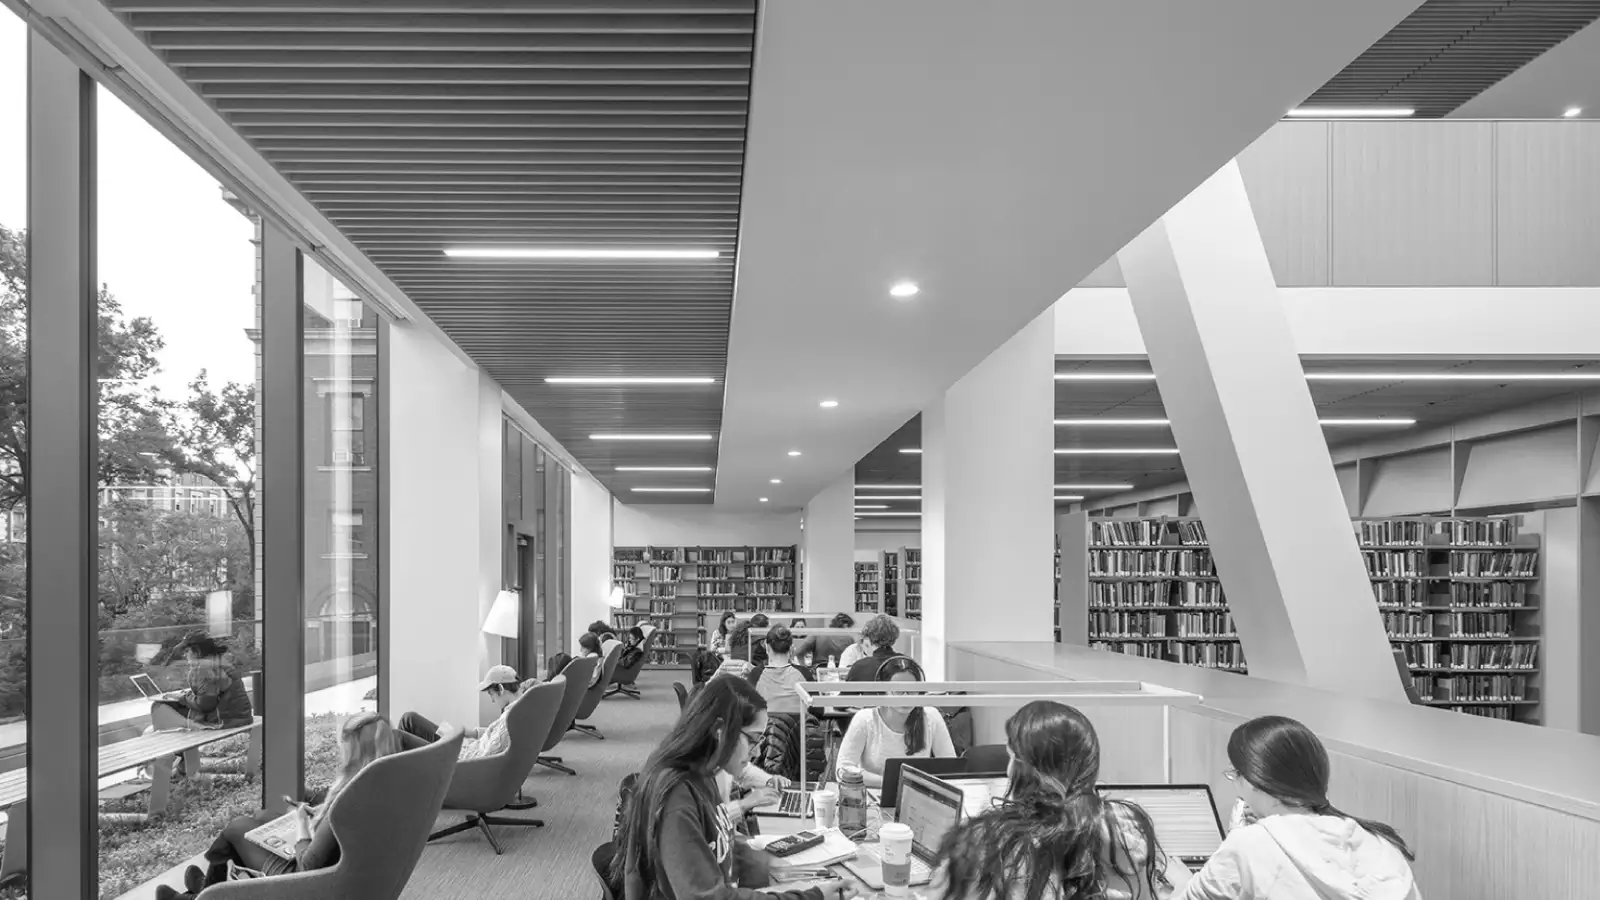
(13, 422)
(342, 517)
(178, 576)
(537, 491)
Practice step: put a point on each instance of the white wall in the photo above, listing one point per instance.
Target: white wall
(434, 519)
(590, 554)
(669, 525)
(491, 529)
(828, 546)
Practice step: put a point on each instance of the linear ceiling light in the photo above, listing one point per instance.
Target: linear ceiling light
(1572, 112)
(1332, 420)
(1069, 496)
(1094, 487)
(1453, 376)
(861, 506)
(663, 468)
(1350, 112)
(1397, 421)
(649, 437)
(828, 404)
(576, 253)
(896, 515)
(1105, 376)
(1078, 423)
(904, 289)
(888, 487)
(910, 449)
(763, 499)
(861, 497)
(671, 490)
(648, 379)
(1116, 451)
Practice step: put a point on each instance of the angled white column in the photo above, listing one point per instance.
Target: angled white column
(988, 517)
(829, 540)
(1255, 457)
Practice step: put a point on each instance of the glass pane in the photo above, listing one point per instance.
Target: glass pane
(13, 407)
(179, 622)
(342, 516)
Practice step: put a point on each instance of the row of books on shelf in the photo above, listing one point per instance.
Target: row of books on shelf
(1155, 593)
(1446, 655)
(1207, 626)
(746, 603)
(1415, 593)
(1462, 563)
(1177, 563)
(1146, 532)
(1499, 532)
(1487, 712)
(1227, 657)
(1447, 625)
(1471, 688)
(699, 555)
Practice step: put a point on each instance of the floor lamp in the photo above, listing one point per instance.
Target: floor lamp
(502, 621)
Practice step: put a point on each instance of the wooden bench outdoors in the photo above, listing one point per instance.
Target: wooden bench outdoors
(155, 750)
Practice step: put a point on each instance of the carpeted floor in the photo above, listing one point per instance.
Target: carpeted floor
(552, 863)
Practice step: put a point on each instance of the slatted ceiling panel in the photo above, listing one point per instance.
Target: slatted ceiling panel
(415, 125)
(1449, 51)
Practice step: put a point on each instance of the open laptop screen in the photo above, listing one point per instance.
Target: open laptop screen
(930, 806)
(1184, 817)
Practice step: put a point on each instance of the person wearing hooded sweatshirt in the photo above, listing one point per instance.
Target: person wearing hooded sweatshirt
(1288, 842)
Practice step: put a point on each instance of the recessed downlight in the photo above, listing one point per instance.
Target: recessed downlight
(625, 436)
(794, 452)
(828, 404)
(671, 490)
(903, 289)
(775, 480)
(1572, 112)
(630, 379)
(577, 253)
(663, 468)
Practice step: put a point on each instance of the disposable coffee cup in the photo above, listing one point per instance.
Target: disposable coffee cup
(825, 804)
(894, 839)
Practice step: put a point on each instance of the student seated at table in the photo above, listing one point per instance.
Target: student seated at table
(1052, 837)
(362, 739)
(678, 840)
(820, 648)
(776, 679)
(503, 687)
(723, 634)
(1292, 844)
(215, 696)
(878, 734)
(877, 643)
(745, 652)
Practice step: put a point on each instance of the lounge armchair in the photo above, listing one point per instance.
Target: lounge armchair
(610, 653)
(623, 681)
(574, 680)
(482, 787)
(381, 822)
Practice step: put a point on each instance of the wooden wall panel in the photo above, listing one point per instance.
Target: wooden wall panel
(1286, 175)
(1548, 203)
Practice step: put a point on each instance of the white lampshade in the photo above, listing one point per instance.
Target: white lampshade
(502, 618)
(619, 597)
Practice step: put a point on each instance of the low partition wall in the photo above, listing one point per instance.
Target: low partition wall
(1493, 809)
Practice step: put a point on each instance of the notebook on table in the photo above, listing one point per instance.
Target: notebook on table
(1184, 816)
(932, 807)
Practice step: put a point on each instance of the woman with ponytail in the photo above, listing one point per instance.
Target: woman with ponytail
(1288, 842)
(1052, 837)
(879, 734)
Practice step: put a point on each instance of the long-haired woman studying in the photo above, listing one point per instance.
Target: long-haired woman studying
(1293, 844)
(678, 840)
(1053, 837)
(879, 734)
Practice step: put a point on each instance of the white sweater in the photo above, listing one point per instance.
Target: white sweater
(869, 742)
(1303, 857)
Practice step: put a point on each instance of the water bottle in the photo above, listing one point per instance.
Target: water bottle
(852, 801)
(833, 662)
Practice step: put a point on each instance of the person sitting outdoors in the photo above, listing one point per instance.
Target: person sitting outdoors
(215, 696)
(1287, 841)
(878, 638)
(776, 679)
(724, 632)
(503, 687)
(362, 739)
(878, 734)
(589, 648)
(823, 649)
(744, 652)
(632, 647)
(1052, 837)
(678, 838)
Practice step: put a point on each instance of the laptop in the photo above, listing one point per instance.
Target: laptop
(933, 765)
(932, 807)
(1184, 816)
(146, 685)
(794, 802)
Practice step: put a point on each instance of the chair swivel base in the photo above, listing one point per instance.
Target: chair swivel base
(482, 821)
(626, 690)
(554, 762)
(590, 730)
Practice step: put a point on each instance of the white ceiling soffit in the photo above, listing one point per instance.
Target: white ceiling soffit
(1565, 76)
(994, 153)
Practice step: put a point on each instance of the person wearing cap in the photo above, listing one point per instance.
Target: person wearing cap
(502, 686)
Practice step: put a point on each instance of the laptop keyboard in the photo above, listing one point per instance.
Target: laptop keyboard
(920, 873)
(795, 803)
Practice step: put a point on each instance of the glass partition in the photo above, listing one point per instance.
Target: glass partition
(342, 517)
(179, 649)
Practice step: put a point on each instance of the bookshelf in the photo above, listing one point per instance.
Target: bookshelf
(1460, 599)
(911, 582)
(869, 585)
(675, 588)
(891, 583)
